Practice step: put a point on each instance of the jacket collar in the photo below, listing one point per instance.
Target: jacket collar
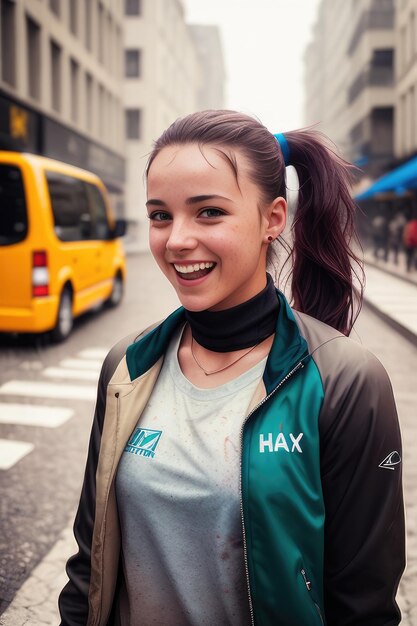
(288, 349)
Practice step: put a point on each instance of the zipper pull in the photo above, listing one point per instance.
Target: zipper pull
(307, 582)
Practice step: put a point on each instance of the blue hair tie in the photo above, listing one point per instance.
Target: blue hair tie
(285, 148)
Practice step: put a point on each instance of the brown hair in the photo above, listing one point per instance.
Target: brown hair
(323, 263)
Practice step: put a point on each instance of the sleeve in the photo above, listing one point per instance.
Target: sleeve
(361, 454)
(73, 600)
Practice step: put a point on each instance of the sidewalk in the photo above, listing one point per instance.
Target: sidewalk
(35, 604)
(392, 293)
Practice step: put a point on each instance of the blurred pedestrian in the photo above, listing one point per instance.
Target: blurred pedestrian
(395, 235)
(380, 237)
(410, 244)
(244, 464)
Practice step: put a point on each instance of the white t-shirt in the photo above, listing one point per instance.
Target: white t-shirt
(178, 497)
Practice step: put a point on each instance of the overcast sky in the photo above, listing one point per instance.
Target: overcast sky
(264, 43)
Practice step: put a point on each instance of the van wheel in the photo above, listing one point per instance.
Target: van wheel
(65, 320)
(116, 292)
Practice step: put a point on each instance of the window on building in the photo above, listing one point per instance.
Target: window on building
(8, 42)
(55, 7)
(33, 37)
(133, 123)
(74, 71)
(55, 76)
(132, 63)
(133, 7)
(89, 101)
(381, 69)
(88, 23)
(383, 58)
(73, 15)
(101, 33)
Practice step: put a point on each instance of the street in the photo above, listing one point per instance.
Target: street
(39, 492)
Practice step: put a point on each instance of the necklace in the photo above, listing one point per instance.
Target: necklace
(221, 369)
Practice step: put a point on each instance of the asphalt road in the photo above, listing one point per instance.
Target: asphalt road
(39, 493)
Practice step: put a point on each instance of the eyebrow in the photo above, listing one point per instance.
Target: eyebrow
(189, 201)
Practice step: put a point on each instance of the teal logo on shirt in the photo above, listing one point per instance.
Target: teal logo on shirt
(143, 442)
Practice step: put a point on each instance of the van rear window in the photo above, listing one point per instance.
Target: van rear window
(13, 214)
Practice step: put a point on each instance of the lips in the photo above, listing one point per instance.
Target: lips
(192, 271)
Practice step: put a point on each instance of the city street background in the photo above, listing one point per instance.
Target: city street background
(39, 493)
(93, 83)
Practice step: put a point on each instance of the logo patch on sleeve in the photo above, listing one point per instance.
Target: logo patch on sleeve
(391, 461)
(143, 442)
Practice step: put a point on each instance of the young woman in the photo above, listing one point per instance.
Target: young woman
(244, 463)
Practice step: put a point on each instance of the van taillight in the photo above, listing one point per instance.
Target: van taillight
(40, 274)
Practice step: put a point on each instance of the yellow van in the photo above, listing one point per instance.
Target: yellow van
(59, 249)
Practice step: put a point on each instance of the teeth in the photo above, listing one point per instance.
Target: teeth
(187, 269)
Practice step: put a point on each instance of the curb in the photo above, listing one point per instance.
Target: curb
(400, 328)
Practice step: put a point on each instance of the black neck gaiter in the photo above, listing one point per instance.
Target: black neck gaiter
(239, 327)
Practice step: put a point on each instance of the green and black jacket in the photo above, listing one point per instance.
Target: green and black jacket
(322, 508)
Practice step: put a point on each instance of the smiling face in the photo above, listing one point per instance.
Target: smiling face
(207, 233)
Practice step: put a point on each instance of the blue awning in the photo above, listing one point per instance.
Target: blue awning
(398, 181)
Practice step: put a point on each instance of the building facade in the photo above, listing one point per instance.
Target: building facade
(406, 79)
(61, 78)
(164, 74)
(350, 80)
(211, 92)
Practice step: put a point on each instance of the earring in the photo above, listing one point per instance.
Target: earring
(270, 239)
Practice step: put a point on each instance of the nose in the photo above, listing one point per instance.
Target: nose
(181, 237)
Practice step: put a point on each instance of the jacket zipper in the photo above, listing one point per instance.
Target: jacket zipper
(245, 551)
(308, 585)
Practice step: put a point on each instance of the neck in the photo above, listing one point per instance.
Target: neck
(239, 327)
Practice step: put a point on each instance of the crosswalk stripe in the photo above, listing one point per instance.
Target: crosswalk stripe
(34, 415)
(48, 390)
(12, 451)
(60, 372)
(82, 364)
(93, 353)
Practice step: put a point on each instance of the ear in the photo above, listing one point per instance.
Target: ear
(276, 218)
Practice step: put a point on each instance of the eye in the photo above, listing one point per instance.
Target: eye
(159, 216)
(211, 212)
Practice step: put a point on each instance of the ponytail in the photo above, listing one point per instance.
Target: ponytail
(324, 266)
